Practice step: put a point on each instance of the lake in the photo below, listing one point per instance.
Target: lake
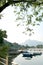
(35, 60)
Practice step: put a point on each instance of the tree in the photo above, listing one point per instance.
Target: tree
(2, 36)
(39, 46)
(23, 13)
(3, 47)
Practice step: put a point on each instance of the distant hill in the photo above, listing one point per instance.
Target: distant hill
(8, 43)
(32, 43)
(12, 45)
(18, 46)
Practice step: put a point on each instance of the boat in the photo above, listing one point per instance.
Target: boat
(27, 54)
(38, 53)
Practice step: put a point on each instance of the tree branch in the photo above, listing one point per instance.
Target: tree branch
(4, 6)
(7, 4)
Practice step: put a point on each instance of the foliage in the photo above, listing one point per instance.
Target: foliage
(39, 46)
(3, 51)
(21, 10)
(2, 36)
(27, 16)
(3, 47)
(1, 16)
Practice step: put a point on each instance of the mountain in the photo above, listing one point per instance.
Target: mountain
(32, 43)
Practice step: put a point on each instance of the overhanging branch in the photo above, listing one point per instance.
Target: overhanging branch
(7, 4)
(4, 6)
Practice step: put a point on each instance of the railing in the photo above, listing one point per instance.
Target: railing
(4, 61)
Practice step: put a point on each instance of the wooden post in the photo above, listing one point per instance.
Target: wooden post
(7, 60)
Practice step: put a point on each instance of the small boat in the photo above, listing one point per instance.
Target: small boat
(27, 54)
(34, 54)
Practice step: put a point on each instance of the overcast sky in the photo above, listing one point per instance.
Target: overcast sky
(15, 33)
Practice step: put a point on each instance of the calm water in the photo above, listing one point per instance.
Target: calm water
(35, 60)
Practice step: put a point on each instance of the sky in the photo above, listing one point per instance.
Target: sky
(14, 33)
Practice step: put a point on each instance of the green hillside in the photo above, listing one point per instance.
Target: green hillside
(12, 45)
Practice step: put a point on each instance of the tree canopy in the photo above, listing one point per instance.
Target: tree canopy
(5, 3)
(22, 9)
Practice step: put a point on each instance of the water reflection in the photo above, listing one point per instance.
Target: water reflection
(35, 60)
(28, 58)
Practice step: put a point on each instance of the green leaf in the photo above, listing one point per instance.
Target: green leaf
(33, 24)
(35, 13)
(39, 19)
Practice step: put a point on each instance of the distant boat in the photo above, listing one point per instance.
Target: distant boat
(38, 53)
(27, 54)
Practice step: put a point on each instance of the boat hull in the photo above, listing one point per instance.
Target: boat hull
(27, 55)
